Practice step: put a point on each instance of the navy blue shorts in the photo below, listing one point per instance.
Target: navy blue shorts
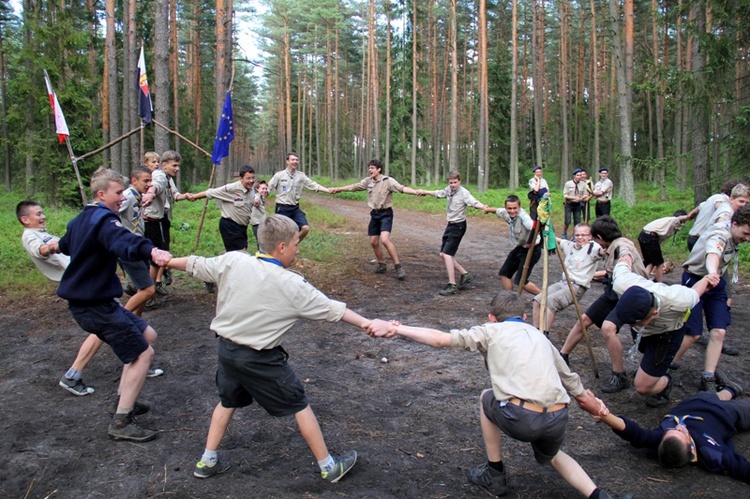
(659, 351)
(544, 430)
(452, 236)
(119, 328)
(233, 234)
(650, 249)
(138, 273)
(602, 308)
(380, 221)
(713, 304)
(292, 211)
(244, 374)
(513, 266)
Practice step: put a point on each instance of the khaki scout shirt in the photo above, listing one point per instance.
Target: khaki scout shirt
(166, 192)
(605, 186)
(520, 227)
(458, 200)
(717, 240)
(623, 247)
(288, 186)
(664, 228)
(235, 201)
(379, 191)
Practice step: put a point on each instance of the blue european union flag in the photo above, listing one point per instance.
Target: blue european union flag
(224, 133)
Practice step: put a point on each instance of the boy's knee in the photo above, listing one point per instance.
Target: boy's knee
(718, 334)
(150, 334)
(609, 329)
(148, 292)
(147, 355)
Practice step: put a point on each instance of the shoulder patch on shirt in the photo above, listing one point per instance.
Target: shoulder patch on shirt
(117, 223)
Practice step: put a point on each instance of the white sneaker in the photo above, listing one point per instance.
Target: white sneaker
(154, 372)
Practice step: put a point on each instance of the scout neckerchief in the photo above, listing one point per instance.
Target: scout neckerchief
(268, 258)
(681, 421)
(136, 220)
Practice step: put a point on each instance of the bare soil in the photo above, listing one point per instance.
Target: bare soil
(410, 411)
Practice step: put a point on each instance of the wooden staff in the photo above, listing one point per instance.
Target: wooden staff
(545, 281)
(110, 144)
(527, 262)
(74, 160)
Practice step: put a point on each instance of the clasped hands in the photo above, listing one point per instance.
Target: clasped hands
(378, 328)
(593, 405)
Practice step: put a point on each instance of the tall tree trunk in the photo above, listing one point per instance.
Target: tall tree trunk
(595, 160)
(699, 109)
(414, 92)
(4, 108)
(288, 85)
(336, 112)
(110, 51)
(161, 88)
(453, 144)
(374, 89)
(483, 136)
(660, 91)
(537, 55)
(564, 20)
(388, 70)
(174, 76)
(222, 171)
(129, 86)
(513, 180)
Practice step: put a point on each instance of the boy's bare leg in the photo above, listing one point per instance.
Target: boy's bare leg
(450, 267)
(645, 384)
(86, 352)
(132, 379)
(536, 314)
(303, 232)
(138, 301)
(506, 283)
(609, 332)
(575, 335)
(219, 422)
(385, 238)
(491, 435)
(532, 288)
(310, 431)
(572, 472)
(375, 243)
(687, 341)
(713, 349)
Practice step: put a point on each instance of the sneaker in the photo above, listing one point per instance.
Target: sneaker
(342, 465)
(167, 277)
(381, 268)
(728, 349)
(138, 408)
(708, 384)
(465, 280)
(723, 381)
(674, 365)
(153, 303)
(124, 427)
(449, 289)
(564, 235)
(210, 287)
(661, 398)
(76, 387)
(130, 290)
(400, 272)
(566, 358)
(203, 470)
(161, 288)
(617, 382)
(492, 481)
(153, 372)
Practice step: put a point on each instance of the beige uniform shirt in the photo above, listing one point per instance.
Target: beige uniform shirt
(458, 200)
(705, 217)
(605, 186)
(717, 240)
(166, 192)
(665, 227)
(52, 266)
(574, 189)
(379, 192)
(522, 362)
(621, 247)
(520, 227)
(581, 261)
(288, 187)
(259, 301)
(235, 201)
(542, 184)
(258, 213)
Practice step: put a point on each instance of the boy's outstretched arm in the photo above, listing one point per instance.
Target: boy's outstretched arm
(178, 263)
(426, 336)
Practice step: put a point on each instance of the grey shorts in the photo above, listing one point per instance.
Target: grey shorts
(559, 297)
(545, 431)
(138, 272)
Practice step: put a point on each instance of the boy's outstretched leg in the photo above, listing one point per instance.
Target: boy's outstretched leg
(332, 468)
(487, 475)
(73, 379)
(210, 465)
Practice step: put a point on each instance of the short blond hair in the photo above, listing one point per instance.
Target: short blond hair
(150, 155)
(740, 191)
(101, 179)
(274, 230)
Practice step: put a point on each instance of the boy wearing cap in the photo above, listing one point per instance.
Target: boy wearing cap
(710, 258)
(603, 192)
(574, 192)
(659, 312)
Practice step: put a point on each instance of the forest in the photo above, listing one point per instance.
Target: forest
(656, 90)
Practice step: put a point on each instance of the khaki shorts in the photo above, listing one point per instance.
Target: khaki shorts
(559, 297)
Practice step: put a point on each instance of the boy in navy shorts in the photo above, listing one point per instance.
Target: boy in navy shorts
(259, 301)
(531, 388)
(459, 198)
(95, 239)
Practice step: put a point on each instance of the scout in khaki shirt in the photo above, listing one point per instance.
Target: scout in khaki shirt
(459, 198)
(258, 302)
(236, 203)
(656, 232)
(528, 400)
(603, 192)
(379, 189)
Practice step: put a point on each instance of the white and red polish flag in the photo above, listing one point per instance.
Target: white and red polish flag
(60, 126)
(145, 106)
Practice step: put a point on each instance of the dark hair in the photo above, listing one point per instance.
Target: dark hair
(673, 452)
(376, 163)
(454, 175)
(506, 304)
(138, 170)
(742, 216)
(605, 228)
(22, 208)
(513, 199)
(246, 169)
(261, 182)
(727, 186)
(680, 213)
(290, 154)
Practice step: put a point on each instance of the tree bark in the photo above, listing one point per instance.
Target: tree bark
(513, 167)
(110, 50)
(161, 89)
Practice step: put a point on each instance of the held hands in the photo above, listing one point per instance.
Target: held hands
(147, 199)
(160, 257)
(52, 247)
(488, 209)
(713, 279)
(593, 405)
(378, 328)
(334, 190)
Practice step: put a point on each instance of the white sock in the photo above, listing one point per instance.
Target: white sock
(210, 457)
(327, 463)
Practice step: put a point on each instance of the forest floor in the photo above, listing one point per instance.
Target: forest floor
(410, 411)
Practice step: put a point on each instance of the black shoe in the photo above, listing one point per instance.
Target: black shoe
(661, 398)
(465, 280)
(381, 268)
(167, 277)
(723, 381)
(124, 427)
(210, 287)
(130, 290)
(449, 289)
(138, 408)
(708, 384)
(728, 349)
(616, 383)
(490, 480)
(674, 365)
(400, 272)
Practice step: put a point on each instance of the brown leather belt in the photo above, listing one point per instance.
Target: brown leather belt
(536, 408)
(149, 219)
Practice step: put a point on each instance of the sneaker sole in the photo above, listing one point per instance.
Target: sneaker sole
(132, 439)
(218, 472)
(345, 471)
(88, 391)
(155, 373)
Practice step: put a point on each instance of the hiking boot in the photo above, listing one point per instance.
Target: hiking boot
(449, 289)
(616, 382)
(674, 365)
(708, 384)
(604, 495)
(153, 372)
(76, 387)
(161, 288)
(400, 272)
(152, 304)
(138, 408)
(203, 470)
(342, 465)
(728, 349)
(381, 268)
(564, 235)
(492, 481)
(167, 277)
(465, 280)
(723, 381)
(124, 427)
(661, 398)
(566, 358)
(129, 290)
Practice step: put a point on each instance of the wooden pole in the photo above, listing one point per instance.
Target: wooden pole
(183, 138)
(527, 262)
(203, 212)
(543, 326)
(107, 146)
(75, 168)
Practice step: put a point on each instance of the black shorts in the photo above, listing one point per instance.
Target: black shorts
(244, 374)
(157, 231)
(452, 236)
(650, 248)
(572, 210)
(659, 351)
(292, 211)
(602, 208)
(515, 261)
(602, 307)
(380, 221)
(233, 234)
(119, 328)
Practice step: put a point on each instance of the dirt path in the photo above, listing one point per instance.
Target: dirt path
(413, 419)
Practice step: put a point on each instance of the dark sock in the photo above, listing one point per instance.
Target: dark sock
(595, 494)
(497, 466)
(730, 390)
